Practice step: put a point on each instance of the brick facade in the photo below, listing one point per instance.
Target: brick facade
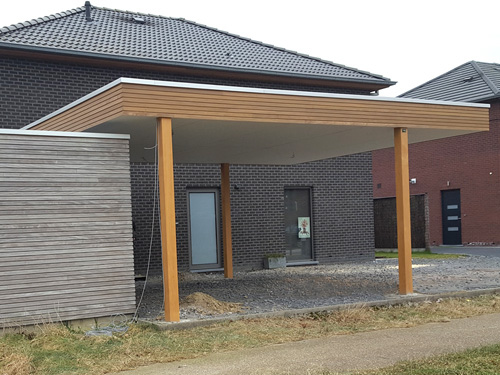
(341, 187)
(470, 163)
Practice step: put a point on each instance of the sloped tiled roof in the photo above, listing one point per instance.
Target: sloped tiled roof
(115, 34)
(473, 81)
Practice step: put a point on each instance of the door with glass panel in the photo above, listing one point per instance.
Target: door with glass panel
(203, 228)
(298, 225)
(452, 217)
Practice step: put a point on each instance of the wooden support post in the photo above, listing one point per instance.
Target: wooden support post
(167, 215)
(403, 210)
(226, 221)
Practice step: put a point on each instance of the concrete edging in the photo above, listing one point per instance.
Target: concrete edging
(397, 300)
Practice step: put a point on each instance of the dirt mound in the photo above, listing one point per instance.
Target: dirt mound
(204, 304)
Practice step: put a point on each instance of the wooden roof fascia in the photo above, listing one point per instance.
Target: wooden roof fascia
(259, 105)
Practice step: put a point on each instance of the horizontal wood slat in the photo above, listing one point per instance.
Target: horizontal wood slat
(62, 284)
(188, 103)
(64, 274)
(90, 308)
(118, 251)
(8, 228)
(27, 231)
(77, 142)
(66, 247)
(106, 103)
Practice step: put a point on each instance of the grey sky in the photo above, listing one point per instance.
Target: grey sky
(406, 41)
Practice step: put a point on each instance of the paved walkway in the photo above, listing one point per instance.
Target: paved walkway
(342, 353)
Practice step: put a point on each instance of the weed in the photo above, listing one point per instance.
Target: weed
(56, 350)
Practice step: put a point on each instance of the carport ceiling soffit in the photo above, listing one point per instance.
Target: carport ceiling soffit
(214, 124)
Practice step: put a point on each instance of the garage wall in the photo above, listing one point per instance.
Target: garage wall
(65, 227)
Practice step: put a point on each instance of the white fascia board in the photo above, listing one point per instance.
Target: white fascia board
(255, 90)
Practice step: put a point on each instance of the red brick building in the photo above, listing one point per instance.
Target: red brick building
(460, 175)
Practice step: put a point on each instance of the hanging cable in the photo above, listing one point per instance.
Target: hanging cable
(155, 199)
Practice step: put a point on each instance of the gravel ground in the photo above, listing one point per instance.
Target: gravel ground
(324, 285)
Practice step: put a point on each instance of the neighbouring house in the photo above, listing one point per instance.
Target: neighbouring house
(460, 175)
(264, 140)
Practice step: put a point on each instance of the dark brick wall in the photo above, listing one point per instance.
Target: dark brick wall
(469, 163)
(342, 206)
(341, 187)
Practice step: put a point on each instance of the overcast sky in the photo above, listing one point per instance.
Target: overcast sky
(409, 42)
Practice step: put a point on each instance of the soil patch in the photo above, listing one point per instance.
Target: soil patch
(204, 304)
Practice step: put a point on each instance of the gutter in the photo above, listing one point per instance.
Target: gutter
(60, 52)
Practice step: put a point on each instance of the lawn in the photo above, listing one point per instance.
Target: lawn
(481, 361)
(55, 349)
(418, 254)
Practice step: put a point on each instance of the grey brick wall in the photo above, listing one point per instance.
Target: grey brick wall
(341, 187)
(342, 208)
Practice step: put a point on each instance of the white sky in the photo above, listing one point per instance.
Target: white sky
(407, 41)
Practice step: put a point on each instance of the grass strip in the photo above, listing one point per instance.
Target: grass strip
(418, 254)
(55, 349)
(480, 361)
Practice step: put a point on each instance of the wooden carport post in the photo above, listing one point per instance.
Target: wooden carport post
(225, 188)
(403, 210)
(167, 217)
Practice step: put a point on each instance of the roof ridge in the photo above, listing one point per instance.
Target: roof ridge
(433, 79)
(284, 49)
(488, 81)
(138, 13)
(37, 21)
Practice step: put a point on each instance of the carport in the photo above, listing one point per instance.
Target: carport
(195, 123)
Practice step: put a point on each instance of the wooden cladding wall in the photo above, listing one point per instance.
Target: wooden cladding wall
(65, 228)
(189, 103)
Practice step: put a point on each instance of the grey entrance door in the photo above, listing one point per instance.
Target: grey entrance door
(298, 225)
(203, 229)
(452, 221)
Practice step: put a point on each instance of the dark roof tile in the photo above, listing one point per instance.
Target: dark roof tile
(470, 82)
(114, 33)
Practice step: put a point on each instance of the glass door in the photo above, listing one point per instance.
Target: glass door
(298, 225)
(452, 217)
(203, 229)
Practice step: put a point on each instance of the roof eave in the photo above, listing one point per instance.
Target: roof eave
(488, 98)
(376, 84)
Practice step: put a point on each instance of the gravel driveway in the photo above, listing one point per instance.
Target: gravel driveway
(323, 285)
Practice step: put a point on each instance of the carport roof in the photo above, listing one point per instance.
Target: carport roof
(222, 124)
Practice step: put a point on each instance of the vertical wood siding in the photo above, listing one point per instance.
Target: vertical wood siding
(65, 229)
